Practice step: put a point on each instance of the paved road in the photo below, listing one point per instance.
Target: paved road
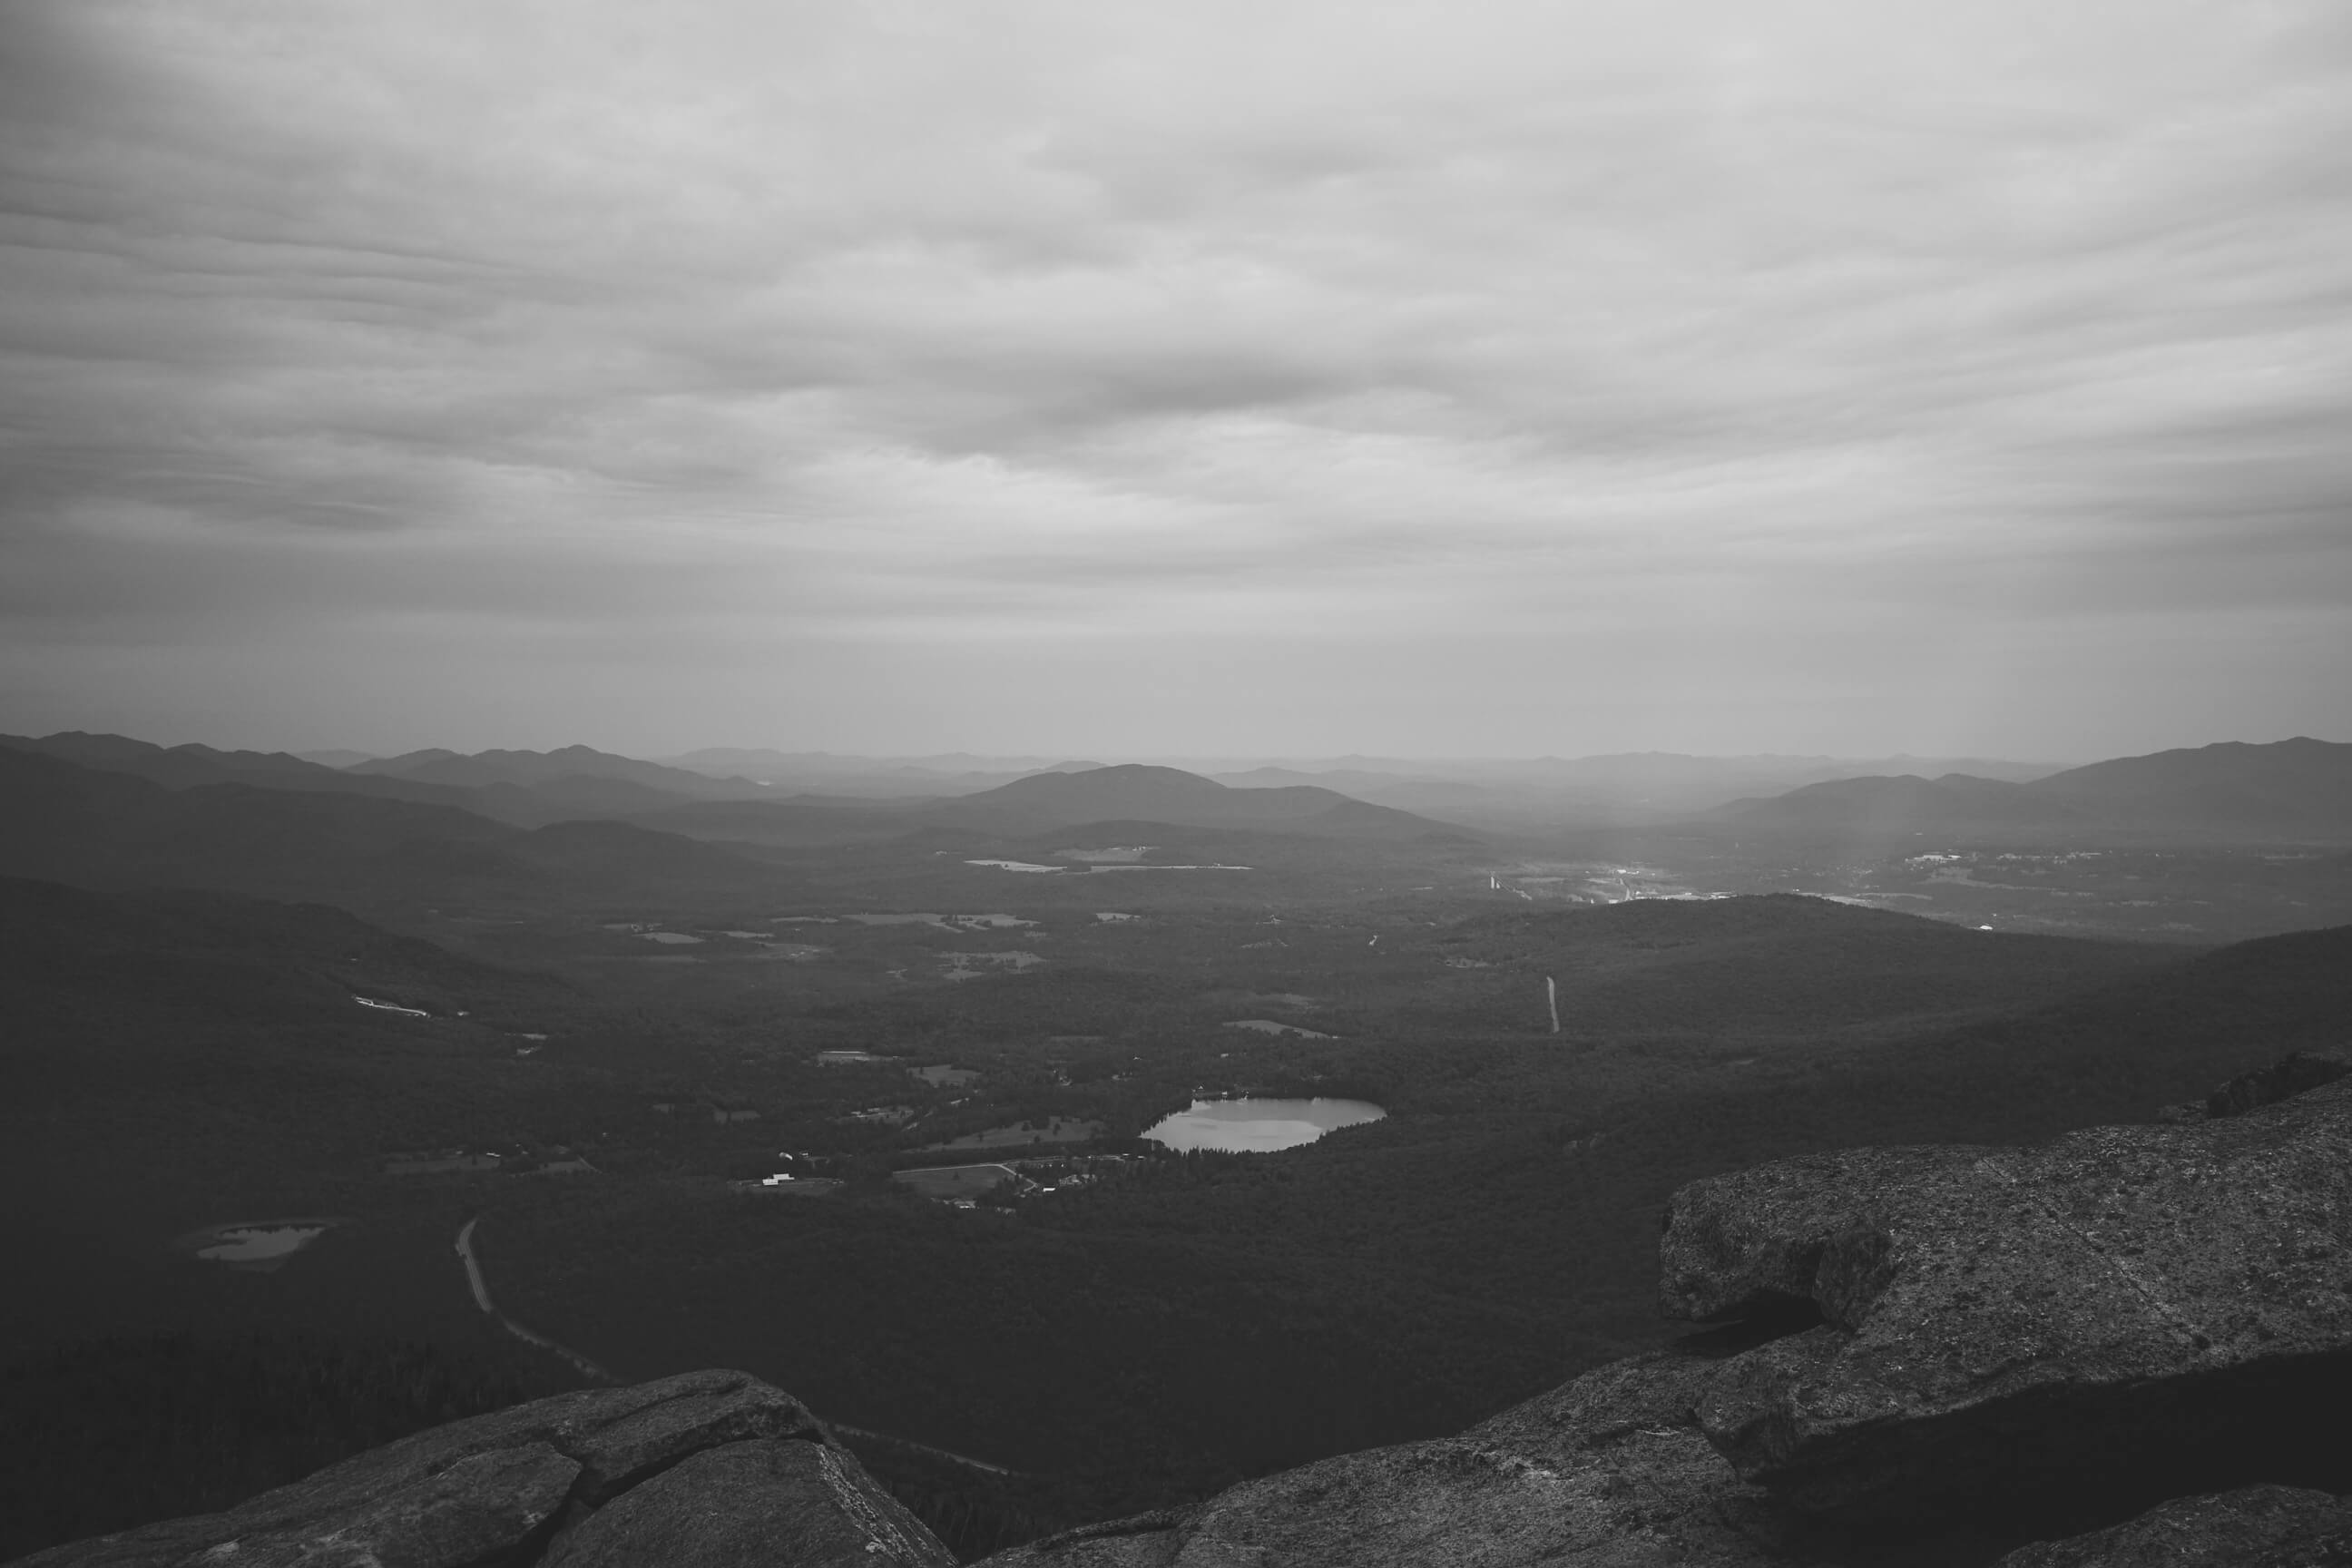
(481, 1288)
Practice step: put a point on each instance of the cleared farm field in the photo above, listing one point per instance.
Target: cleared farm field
(1055, 1130)
(952, 1182)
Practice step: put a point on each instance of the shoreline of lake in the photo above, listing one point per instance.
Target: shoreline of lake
(1254, 1125)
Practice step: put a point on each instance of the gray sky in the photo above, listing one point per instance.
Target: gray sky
(1110, 378)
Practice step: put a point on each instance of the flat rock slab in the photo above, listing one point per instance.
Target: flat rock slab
(602, 1441)
(1998, 1319)
(483, 1508)
(1607, 1471)
(2252, 1527)
(773, 1503)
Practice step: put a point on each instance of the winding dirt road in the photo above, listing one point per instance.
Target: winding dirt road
(482, 1298)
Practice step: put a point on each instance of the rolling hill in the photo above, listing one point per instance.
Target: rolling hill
(1405, 794)
(181, 954)
(98, 828)
(1137, 792)
(525, 795)
(870, 778)
(563, 766)
(1805, 965)
(2290, 790)
(175, 1058)
(1125, 800)
(1880, 807)
(803, 821)
(191, 766)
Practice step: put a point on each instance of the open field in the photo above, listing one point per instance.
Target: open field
(1052, 1129)
(952, 1182)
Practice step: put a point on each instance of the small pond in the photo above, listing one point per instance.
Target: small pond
(1258, 1126)
(259, 1245)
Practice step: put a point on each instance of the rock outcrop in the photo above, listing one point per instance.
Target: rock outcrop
(2123, 1307)
(2131, 1347)
(708, 1456)
(1608, 1471)
(739, 1503)
(2283, 1079)
(2252, 1527)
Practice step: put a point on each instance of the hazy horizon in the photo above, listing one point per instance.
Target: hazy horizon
(1806, 378)
(267, 738)
(949, 759)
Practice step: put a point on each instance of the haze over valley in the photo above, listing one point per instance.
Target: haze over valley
(925, 1091)
(881, 782)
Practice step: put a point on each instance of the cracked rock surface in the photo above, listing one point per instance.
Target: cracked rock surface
(2252, 1527)
(2126, 1299)
(1608, 1471)
(495, 1488)
(737, 1503)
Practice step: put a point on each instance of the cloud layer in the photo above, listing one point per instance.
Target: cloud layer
(1102, 376)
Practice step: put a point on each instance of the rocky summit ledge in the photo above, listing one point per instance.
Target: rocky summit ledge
(1608, 1471)
(2128, 1306)
(2251, 1527)
(2132, 1346)
(707, 1468)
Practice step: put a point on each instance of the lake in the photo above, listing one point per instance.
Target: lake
(1255, 1126)
(259, 1245)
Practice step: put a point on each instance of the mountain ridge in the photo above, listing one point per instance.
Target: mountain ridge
(90, 826)
(440, 766)
(192, 765)
(2283, 789)
(1143, 792)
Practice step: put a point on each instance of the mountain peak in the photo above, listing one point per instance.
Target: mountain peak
(1147, 792)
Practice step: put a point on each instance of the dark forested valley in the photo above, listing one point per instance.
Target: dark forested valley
(680, 1094)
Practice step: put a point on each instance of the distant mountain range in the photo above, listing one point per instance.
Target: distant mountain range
(2293, 789)
(131, 815)
(1134, 795)
(116, 811)
(1644, 786)
(529, 789)
(236, 958)
(74, 823)
(186, 767)
(532, 788)
(954, 773)
(565, 766)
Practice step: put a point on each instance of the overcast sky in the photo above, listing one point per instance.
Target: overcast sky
(1105, 378)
